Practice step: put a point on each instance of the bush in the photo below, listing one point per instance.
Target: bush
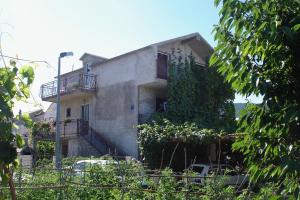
(123, 180)
(117, 181)
(45, 149)
(157, 142)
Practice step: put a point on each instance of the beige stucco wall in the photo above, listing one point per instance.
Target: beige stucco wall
(114, 108)
(74, 102)
(139, 66)
(147, 100)
(185, 50)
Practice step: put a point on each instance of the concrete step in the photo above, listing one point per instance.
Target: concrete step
(86, 149)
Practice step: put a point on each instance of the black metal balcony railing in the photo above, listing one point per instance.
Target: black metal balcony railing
(69, 84)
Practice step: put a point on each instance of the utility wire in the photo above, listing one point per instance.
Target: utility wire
(33, 61)
(27, 60)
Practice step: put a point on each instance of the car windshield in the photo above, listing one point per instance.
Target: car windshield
(197, 169)
(222, 170)
(79, 166)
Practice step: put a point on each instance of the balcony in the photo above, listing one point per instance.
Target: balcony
(76, 84)
(73, 128)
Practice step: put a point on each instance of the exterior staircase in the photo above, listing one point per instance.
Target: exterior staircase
(98, 141)
(92, 142)
(86, 149)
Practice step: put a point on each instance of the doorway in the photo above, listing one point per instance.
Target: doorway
(85, 112)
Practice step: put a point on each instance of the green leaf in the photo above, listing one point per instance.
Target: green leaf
(27, 72)
(296, 27)
(19, 140)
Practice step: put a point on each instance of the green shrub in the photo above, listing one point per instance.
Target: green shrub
(128, 181)
(45, 149)
(157, 141)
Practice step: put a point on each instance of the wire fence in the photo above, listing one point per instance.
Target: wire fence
(115, 179)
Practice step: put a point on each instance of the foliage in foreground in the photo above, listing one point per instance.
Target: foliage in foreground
(259, 52)
(14, 85)
(124, 180)
(45, 149)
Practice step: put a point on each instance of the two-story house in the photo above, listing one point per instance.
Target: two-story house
(104, 101)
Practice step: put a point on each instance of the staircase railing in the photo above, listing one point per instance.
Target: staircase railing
(76, 127)
(97, 140)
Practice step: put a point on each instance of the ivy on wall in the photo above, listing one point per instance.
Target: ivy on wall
(197, 93)
(199, 108)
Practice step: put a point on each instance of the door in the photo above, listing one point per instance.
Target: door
(85, 112)
(87, 76)
(64, 148)
(84, 119)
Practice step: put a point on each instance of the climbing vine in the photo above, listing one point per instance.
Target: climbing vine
(197, 93)
(199, 108)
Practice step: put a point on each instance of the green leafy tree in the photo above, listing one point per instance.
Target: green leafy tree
(258, 50)
(14, 85)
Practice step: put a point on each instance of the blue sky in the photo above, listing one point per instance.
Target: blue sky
(40, 30)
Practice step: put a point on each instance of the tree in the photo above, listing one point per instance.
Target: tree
(258, 51)
(14, 85)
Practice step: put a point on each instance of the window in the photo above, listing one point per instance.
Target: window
(79, 166)
(161, 105)
(68, 113)
(162, 66)
(87, 68)
(198, 169)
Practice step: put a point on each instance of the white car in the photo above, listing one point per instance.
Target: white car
(80, 166)
(226, 172)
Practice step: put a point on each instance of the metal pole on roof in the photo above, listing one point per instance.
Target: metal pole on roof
(58, 123)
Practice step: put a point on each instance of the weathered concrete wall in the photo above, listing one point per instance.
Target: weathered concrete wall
(145, 66)
(114, 115)
(79, 147)
(50, 113)
(75, 104)
(147, 100)
(114, 109)
(91, 59)
(185, 49)
(26, 161)
(139, 66)
(73, 147)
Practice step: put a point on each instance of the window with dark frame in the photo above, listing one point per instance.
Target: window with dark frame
(161, 104)
(162, 66)
(68, 113)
